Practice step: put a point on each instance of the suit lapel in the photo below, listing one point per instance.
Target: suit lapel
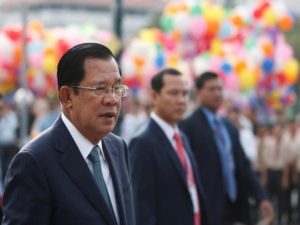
(75, 166)
(208, 130)
(114, 167)
(168, 148)
(195, 170)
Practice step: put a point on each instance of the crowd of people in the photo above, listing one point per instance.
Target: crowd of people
(178, 163)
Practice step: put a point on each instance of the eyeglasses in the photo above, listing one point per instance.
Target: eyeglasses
(119, 91)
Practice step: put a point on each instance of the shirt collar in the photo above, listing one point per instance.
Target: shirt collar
(165, 126)
(211, 116)
(83, 144)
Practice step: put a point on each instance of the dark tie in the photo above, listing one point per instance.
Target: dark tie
(227, 159)
(94, 158)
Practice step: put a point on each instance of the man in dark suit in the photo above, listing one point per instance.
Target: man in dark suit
(226, 174)
(165, 180)
(76, 172)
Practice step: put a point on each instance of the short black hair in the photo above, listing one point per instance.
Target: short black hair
(70, 69)
(157, 80)
(202, 78)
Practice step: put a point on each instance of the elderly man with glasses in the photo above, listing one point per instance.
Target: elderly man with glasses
(76, 172)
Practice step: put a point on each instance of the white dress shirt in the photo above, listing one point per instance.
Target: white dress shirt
(85, 147)
(167, 128)
(169, 132)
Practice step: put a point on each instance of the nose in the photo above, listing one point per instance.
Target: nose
(182, 98)
(109, 98)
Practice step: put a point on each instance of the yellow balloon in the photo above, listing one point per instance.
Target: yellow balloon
(269, 17)
(291, 70)
(49, 64)
(216, 48)
(275, 95)
(213, 12)
(172, 60)
(247, 79)
(148, 35)
(114, 44)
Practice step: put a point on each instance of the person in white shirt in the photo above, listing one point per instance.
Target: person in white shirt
(166, 184)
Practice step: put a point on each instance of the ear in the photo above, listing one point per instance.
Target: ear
(65, 95)
(198, 95)
(153, 95)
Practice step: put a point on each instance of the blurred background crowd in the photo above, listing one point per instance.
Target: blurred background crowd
(253, 45)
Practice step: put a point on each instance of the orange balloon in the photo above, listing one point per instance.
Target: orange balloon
(257, 74)
(36, 26)
(183, 7)
(50, 52)
(176, 35)
(268, 49)
(139, 62)
(212, 27)
(285, 23)
(17, 55)
(237, 21)
(171, 9)
(240, 67)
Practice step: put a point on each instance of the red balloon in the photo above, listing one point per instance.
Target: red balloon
(13, 35)
(63, 46)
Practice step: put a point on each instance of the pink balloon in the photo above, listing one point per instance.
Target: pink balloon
(197, 27)
(35, 60)
(232, 83)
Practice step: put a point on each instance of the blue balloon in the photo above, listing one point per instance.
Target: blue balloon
(160, 60)
(268, 65)
(226, 30)
(226, 68)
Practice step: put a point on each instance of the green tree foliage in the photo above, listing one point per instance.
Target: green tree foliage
(293, 38)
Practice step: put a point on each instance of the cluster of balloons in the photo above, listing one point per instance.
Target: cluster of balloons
(44, 48)
(245, 45)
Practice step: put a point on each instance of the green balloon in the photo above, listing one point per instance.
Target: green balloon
(250, 43)
(196, 10)
(166, 23)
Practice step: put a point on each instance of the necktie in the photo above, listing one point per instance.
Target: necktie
(98, 176)
(227, 162)
(190, 178)
(180, 151)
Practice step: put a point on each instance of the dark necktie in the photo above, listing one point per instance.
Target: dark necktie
(94, 158)
(227, 161)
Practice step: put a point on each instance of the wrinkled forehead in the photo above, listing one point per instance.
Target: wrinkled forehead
(102, 68)
(104, 78)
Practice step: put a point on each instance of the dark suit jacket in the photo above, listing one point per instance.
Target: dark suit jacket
(49, 182)
(159, 185)
(201, 137)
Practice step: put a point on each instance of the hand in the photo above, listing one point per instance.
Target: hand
(267, 211)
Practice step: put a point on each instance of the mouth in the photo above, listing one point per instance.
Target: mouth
(108, 115)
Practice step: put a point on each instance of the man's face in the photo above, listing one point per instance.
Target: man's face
(211, 94)
(96, 115)
(171, 102)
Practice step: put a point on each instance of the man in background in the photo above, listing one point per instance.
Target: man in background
(165, 178)
(225, 171)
